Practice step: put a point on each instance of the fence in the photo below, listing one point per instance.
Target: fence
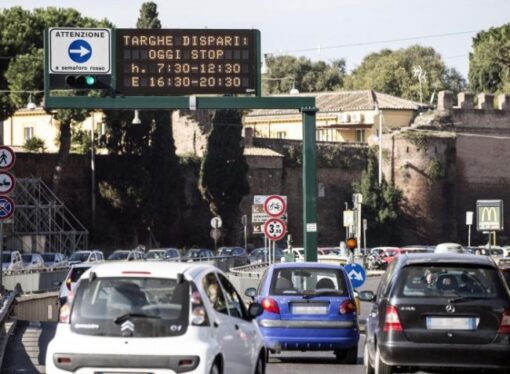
(7, 302)
(36, 281)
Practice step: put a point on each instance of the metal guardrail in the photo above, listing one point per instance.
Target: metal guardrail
(6, 307)
(250, 271)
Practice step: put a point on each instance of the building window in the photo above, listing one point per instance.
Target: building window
(281, 134)
(360, 136)
(28, 133)
(322, 190)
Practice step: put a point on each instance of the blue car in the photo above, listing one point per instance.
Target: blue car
(308, 307)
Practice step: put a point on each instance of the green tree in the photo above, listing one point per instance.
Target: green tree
(223, 173)
(35, 144)
(24, 72)
(307, 76)
(381, 204)
(394, 73)
(489, 63)
(148, 18)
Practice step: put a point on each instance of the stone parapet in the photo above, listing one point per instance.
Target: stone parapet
(485, 101)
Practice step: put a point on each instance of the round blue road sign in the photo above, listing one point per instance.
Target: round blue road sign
(6, 207)
(80, 51)
(356, 274)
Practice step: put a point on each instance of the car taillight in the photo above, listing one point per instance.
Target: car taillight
(65, 310)
(504, 327)
(270, 305)
(347, 306)
(392, 321)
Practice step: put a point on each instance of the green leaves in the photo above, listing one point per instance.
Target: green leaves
(393, 72)
(489, 63)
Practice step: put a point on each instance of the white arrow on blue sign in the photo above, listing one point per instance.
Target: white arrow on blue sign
(80, 51)
(356, 274)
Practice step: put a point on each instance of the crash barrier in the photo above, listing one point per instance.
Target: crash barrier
(38, 307)
(247, 276)
(7, 302)
(35, 282)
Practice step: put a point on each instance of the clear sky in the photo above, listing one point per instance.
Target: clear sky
(319, 29)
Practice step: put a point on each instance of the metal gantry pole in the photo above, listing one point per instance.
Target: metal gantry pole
(309, 185)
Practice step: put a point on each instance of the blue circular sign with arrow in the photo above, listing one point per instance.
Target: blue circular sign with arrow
(356, 274)
(80, 51)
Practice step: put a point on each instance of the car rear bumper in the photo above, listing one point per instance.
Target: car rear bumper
(309, 339)
(489, 356)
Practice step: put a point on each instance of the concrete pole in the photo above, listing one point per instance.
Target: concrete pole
(380, 146)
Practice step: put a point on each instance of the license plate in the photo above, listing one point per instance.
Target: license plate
(452, 323)
(309, 309)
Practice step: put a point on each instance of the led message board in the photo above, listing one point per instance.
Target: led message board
(186, 61)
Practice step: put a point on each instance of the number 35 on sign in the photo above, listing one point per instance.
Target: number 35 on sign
(275, 229)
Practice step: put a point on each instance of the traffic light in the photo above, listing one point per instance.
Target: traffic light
(352, 244)
(81, 81)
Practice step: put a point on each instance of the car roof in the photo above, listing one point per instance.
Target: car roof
(305, 265)
(457, 258)
(156, 269)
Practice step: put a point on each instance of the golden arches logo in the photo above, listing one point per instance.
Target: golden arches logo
(489, 215)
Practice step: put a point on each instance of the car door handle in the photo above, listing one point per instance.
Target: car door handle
(216, 324)
(237, 327)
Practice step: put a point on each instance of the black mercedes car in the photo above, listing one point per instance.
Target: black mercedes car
(438, 311)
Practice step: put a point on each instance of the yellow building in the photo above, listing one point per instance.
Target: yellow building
(25, 124)
(343, 116)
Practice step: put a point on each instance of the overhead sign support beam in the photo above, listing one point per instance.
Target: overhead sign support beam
(116, 100)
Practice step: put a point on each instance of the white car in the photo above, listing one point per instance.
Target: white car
(156, 317)
(72, 278)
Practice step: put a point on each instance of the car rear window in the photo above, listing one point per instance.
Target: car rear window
(299, 281)
(79, 256)
(138, 307)
(449, 281)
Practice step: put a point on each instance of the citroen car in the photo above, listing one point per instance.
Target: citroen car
(156, 317)
(308, 306)
(439, 311)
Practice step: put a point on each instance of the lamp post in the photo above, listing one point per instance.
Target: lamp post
(93, 170)
(379, 114)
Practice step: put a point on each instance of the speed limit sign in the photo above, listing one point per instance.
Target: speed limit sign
(275, 229)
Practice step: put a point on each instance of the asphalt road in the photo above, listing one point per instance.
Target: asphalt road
(322, 362)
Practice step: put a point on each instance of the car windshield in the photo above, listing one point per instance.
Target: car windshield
(302, 281)
(155, 255)
(155, 307)
(118, 256)
(449, 281)
(79, 256)
(27, 258)
(48, 257)
(226, 251)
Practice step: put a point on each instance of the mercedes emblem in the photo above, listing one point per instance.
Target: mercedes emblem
(450, 308)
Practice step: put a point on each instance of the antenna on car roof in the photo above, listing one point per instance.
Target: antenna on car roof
(92, 276)
(180, 278)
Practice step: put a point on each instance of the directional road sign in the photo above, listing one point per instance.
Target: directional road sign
(7, 182)
(356, 274)
(215, 234)
(275, 229)
(216, 222)
(275, 206)
(7, 157)
(6, 207)
(84, 51)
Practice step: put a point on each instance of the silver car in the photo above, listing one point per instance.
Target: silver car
(54, 260)
(12, 262)
(33, 262)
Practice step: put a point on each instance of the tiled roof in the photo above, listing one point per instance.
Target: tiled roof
(261, 152)
(340, 101)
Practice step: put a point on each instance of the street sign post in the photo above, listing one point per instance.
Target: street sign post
(356, 274)
(275, 229)
(259, 216)
(275, 206)
(7, 157)
(216, 222)
(7, 183)
(469, 223)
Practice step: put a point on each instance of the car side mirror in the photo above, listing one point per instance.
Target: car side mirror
(57, 283)
(251, 293)
(255, 310)
(367, 296)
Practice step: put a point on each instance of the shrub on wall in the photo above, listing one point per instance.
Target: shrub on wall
(35, 144)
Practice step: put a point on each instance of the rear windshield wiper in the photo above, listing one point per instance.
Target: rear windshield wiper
(466, 298)
(126, 316)
(314, 293)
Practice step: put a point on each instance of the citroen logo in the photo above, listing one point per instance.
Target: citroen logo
(450, 308)
(127, 328)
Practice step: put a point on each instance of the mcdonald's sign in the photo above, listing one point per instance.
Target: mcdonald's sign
(489, 215)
